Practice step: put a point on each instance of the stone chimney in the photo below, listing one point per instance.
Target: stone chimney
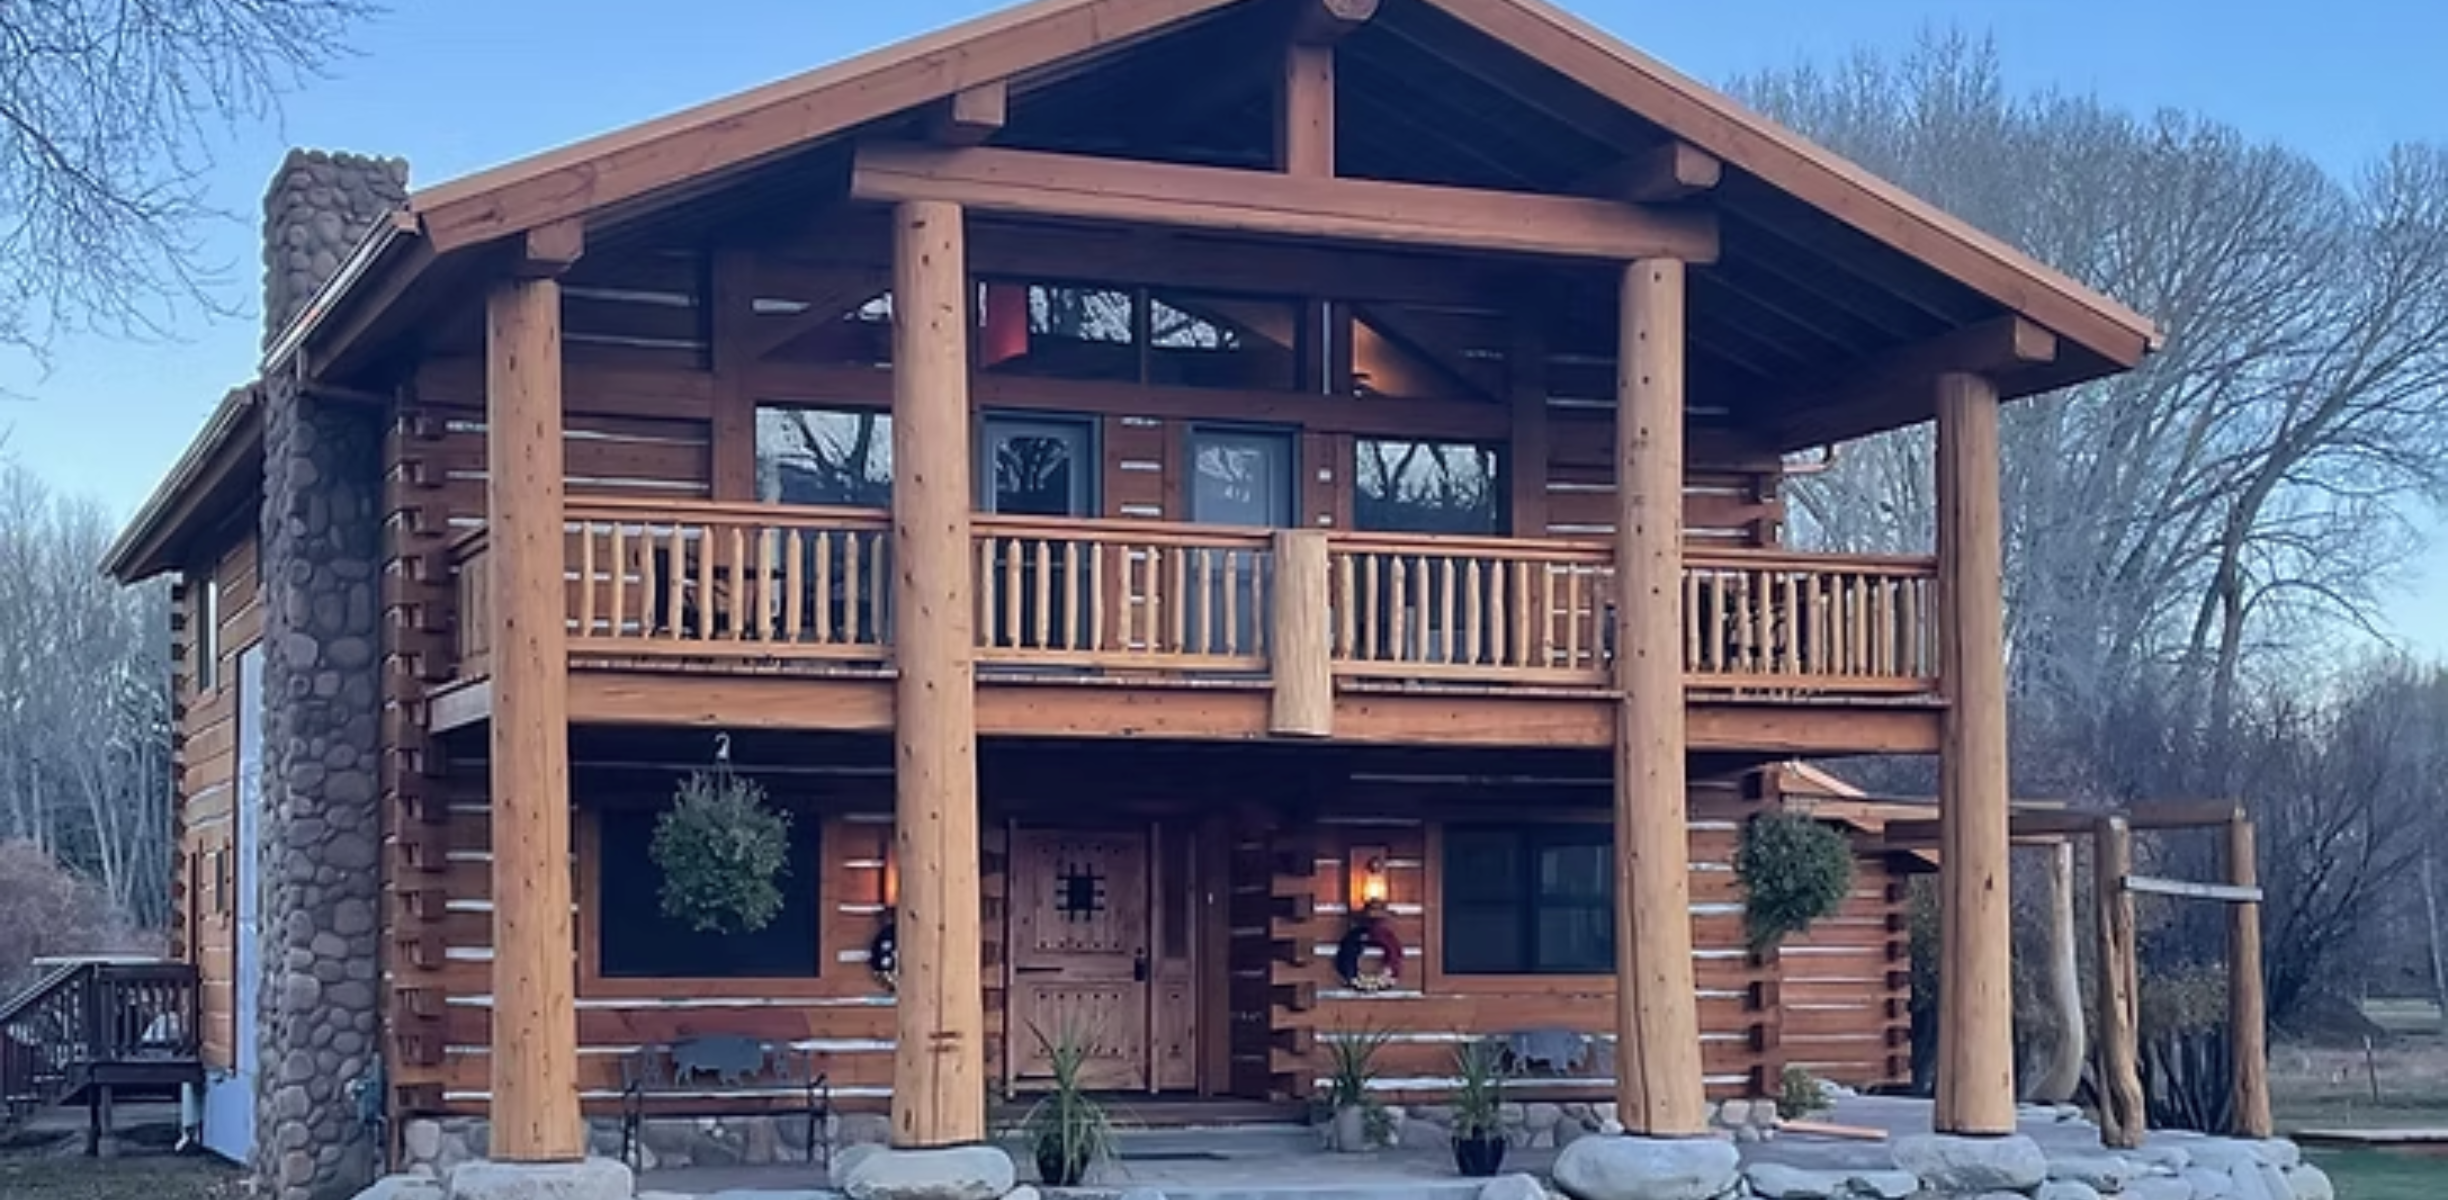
(317, 208)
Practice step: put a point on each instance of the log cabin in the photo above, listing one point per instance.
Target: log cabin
(1146, 486)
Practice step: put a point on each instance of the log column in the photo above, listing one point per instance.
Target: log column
(535, 1023)
(1657, 1022)
(2247, 1008)
(1976, 1019)
(939, 1066)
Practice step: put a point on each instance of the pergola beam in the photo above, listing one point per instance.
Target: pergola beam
(970, 115)
(1898, 384)
(1279, 205)
(1664, 173)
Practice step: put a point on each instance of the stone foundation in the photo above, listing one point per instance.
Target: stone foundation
(435, 1147)
(1540, 1125)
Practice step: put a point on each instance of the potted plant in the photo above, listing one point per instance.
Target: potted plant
(1478, 1106)
(1355, 1120)
(1067, 1130)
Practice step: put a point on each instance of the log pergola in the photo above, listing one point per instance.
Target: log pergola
(2116, 995)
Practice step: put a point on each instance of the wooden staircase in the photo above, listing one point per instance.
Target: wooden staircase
(98, 1030)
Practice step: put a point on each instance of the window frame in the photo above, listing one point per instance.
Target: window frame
(1499, 453)
(1439, 975)
(832, 977)
(204, 635)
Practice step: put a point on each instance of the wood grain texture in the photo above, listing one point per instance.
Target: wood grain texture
(939, 1071)
(1277, 205)
(2123, 1121)
(1299, 644)
(534, 1063)
(1658, 1070)
(1976, 1027)
(2247, 1003)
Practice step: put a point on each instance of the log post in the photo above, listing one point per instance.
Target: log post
(2247, 1007)
(1301, 657)
(2063, 1075)
(1976, 1021)
(939, 1063)
(2122, 1119)
(1657, 1023)
(535, 1018)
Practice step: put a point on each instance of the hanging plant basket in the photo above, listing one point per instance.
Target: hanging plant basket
(722, 850)
(1794, 871)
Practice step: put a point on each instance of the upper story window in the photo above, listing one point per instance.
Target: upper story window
(1426, 487)
(828, 456)
(1529, 899)
(204, 636)
(1136, 335)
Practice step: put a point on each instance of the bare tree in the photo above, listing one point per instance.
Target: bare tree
(106, 115)
(84, 701)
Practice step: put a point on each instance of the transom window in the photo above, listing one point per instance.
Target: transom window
(1529, 899)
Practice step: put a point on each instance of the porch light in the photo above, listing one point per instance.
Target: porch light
(1366, 877)
(891, 884)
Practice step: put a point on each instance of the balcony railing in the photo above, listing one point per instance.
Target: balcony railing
(751, 583)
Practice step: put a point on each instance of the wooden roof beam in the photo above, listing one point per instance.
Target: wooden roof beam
(1325, 22)
(1276, 205)
(548, 251)
(1895, 388)
(971, 115)
(1662, 174)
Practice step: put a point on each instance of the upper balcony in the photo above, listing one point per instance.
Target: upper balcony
(698, 589)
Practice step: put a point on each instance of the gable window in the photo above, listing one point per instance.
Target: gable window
(826, 456)
(1529, 899)
(636, 941)
(1426, 487)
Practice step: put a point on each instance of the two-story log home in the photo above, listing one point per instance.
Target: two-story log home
(1134, 479)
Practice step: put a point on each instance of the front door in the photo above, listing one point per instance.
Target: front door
(1080, 964)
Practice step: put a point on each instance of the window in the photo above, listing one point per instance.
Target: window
(1529, 900)
(824, 456)
(1427, 487)
(1038, 466)
(205, 636)
(636, 941)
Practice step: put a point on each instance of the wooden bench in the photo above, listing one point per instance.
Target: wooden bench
(710, 1075)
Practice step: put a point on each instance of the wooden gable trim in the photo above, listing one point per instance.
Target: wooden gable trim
(1785, 160)
(1028, 183)
(774, 118)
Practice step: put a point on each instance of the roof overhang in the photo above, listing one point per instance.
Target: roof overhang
(682, 153)
(221, 468)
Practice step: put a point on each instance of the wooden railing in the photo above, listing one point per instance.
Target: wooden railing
(729, 580)
(1489, 609)
(752, 582)
(1126, 594)
(86, 1016)
(1765, 620)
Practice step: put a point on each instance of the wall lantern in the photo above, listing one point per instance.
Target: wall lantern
(1365, 878)
(890, 885)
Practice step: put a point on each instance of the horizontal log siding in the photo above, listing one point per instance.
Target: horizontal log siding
(1431, 1012)
(205, 748)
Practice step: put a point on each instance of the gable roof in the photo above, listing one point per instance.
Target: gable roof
(680, 153)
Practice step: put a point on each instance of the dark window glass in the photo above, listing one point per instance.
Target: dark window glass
(1427, 487)
(638, 942)
(1529, 900)
(824, 456)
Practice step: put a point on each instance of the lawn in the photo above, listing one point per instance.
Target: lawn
(52, 1175)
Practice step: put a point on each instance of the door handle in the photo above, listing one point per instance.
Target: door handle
(1139, 966)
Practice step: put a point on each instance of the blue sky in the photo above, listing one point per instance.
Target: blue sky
(456, 85)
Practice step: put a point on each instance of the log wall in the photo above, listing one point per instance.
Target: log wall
(204, 736)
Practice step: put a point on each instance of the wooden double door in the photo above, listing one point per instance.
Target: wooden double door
(1104, 952)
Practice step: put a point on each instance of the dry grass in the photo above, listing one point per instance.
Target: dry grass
(2322, 1087)
(52, 1167)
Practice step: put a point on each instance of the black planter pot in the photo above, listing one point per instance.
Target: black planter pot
(1479, 1157)
(1052, 1171)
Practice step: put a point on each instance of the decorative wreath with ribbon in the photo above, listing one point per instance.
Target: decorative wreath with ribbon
(1351, 955)
(884, 955)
